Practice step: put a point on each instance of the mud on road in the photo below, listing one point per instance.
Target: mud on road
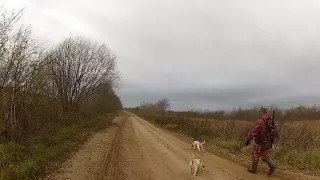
(134, 149)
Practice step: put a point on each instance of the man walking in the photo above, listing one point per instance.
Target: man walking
(264, 133)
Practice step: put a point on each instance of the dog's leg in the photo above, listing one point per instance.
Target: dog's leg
(202, 148)
(198, 148)
(194, 172)
(200, 168)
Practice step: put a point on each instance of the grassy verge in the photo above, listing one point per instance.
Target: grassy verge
(33, 158)
(298, 146)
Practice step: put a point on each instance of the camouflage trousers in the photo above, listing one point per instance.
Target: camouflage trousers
(258, 152)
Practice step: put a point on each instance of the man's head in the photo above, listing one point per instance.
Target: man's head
(263, 110)
(264, 114)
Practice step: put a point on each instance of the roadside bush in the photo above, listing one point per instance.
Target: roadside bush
(33, 158)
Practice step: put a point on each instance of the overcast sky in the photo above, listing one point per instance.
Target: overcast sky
(200, 54)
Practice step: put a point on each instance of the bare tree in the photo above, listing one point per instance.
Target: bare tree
(142, 104)
(19, 59)
(36, 84)
(103, 100)
(7, 22)
(78, 66)
(163, 105)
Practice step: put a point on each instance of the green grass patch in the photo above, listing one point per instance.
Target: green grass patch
(33, 158)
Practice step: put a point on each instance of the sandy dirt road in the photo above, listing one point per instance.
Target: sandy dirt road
(137, 150)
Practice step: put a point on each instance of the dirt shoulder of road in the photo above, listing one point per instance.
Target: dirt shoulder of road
(88, 161)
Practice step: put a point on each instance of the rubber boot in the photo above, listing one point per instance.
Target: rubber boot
(271, 165)
(254, 167)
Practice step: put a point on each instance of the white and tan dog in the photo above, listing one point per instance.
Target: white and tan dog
(196, 165)
(198, 144)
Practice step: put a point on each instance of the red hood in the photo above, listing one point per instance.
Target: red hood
(266, 116)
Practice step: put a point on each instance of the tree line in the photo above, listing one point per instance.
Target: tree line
(161, 106)
(42, 88)
(246, 114)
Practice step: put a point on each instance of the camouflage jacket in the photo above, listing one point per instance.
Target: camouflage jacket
(259, 133)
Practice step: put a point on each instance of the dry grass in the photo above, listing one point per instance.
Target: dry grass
(297, 146)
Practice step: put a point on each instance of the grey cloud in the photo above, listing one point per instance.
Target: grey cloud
(199, 54)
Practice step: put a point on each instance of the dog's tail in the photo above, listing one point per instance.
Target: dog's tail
(204, 141)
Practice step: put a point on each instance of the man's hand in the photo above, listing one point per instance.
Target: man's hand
(247, 143)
